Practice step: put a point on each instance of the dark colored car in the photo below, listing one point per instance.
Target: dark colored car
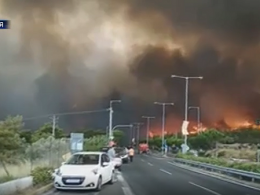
(104, 149)
(122, 153)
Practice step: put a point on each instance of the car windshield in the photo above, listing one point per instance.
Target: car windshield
(83, 159)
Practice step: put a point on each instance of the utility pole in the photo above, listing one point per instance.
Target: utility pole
(148, 118)
(54, 123)
(111, 118)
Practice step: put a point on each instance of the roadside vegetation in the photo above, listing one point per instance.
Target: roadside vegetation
(26, 152)
(234, 149)
(246, 166)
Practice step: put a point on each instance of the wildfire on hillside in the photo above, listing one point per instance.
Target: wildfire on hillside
(194, 128)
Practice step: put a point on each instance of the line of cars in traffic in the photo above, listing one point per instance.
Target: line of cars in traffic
(89, 170)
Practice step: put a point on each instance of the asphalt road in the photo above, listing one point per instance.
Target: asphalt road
(149, 175)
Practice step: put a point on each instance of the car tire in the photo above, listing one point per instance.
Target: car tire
(99, 184)
(119, 168)
(113, 178)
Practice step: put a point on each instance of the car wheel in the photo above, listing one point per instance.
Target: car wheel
(113, 178)
(120, 168)
(99, 184)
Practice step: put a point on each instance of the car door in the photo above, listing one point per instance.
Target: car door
(110, 167)
(104, 169)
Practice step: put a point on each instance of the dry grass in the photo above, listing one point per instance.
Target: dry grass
(25, 192)
(236, 151)
(23, 170)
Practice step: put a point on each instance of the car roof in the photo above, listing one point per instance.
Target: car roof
(86, 153)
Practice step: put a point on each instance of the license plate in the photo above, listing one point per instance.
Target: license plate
(72, 180)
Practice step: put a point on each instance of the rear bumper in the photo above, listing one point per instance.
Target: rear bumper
(125, 160)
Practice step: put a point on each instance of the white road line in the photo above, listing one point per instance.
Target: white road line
(51, 192)
(150, 164)
(142, 160)
(126, 188)
(165, 171)
(127, 191)
(171, 163)
(204, 188)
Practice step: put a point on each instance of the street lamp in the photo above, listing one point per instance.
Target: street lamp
(163, 104)
(198, 115)
(148, 118)
(117, 126)
(186, 97)
(138, 131)
(111, 118)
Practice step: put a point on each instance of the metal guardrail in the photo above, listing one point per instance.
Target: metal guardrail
(243, 175)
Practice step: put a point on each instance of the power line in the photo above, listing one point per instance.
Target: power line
(66, 113)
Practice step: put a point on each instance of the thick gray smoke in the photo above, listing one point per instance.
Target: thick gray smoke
(69, 55)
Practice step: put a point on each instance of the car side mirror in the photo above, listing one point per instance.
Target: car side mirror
(104, 164)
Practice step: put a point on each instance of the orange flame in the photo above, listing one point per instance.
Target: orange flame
(175, 127)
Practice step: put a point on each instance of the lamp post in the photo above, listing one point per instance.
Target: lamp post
(198, 116)
(138, 131)
(110, 132)
(148, 118)
(163, 104)
(186, 97)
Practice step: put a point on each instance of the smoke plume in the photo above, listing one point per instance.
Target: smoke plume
(70, 55)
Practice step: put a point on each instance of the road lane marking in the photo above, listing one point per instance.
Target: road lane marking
(125, 186)
(127, 191)
(171, 163)
(204, 188)
(165, 171)
(150, 164)
(142, 160)
(51, 192)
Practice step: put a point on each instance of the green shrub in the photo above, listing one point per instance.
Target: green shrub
(42, 175)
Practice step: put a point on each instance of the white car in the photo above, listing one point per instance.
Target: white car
(86, 171)
(117, 163)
